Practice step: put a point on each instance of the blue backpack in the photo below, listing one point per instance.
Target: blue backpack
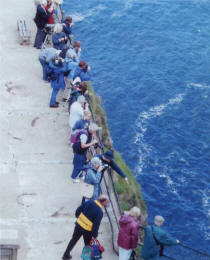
(93, 251)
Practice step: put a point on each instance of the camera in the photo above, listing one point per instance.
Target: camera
(58, 61)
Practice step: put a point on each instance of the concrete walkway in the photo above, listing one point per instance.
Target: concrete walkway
(37, 198)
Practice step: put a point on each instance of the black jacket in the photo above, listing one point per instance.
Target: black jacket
(41, 18)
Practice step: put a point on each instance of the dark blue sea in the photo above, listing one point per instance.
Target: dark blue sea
(150, 64)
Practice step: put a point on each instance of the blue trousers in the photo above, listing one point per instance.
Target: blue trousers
(44, 68)
(53, 97)
(39, 39)
(78, 162)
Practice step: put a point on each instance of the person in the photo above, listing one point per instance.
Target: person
(107, 159)
(41, 19)
(128, 233)
(82, 71)
(57, 69)
(67, 27)
(89, 216)
(59, 38)
(71, 64)
(154, 236)
(58, 12)
(77, 49)
(82, 123)
(80, 147)
(47, 7)
(80, 88)
(93, 176)
(45, 57)
(77, 110)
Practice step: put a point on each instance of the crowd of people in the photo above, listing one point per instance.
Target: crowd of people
(68, 74)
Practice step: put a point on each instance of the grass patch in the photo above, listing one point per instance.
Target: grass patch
(130, 195)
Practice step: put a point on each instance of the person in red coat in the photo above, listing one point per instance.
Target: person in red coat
(128, 233)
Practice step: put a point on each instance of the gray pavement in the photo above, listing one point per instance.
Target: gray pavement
(37, 198)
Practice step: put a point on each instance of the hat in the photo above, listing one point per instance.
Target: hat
(109, 155)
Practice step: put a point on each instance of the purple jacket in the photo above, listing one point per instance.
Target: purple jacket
(129, 232)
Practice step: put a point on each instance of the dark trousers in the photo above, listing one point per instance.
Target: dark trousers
(39, 39)
(78, 232)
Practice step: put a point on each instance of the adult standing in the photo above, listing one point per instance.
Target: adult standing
(89, 216)
(57, 68)
(93, 176)
(128, 233)
(77, 111)
(155, 237)
(83, 142)
(59, 38)
(41, 19)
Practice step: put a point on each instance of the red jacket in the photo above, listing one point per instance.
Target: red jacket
(129, 232)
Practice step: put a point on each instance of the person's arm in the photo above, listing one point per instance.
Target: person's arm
(166, 239)
(79, 210)
(96, 224)
(83, 139)
(85, 76)
(117, 169)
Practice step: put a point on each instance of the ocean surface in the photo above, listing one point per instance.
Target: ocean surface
(150, 64)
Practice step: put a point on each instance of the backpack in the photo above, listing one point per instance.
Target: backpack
(86, 253)
(74, 136)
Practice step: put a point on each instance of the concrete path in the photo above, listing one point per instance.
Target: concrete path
(37, 198)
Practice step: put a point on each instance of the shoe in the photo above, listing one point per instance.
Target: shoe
(57, 103)
(55, 106)
(64, 99)
(75, 180)
(66, 257)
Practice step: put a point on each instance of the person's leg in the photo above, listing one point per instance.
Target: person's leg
(87, 236)
(75, 237)
(44, 68)
(53, 97)
(40, 37)
(78, 162)
(124, 254)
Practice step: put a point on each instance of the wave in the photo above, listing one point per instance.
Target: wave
(78, 17)
(141, 124)
(206, 207)
(197, 85)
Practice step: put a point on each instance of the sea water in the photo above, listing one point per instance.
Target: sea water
(150, 62)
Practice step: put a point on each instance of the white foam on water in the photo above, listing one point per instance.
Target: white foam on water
(78, 17)
(197, 85)
(206, 206)
(141, 125)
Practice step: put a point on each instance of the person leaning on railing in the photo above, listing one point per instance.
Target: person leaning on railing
(107, 159)
(154, 240)
(80, 147)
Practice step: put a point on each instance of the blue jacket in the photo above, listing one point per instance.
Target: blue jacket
(81, 124)
(57, 76)
(77, 54)
(84, 75)
(71, 66)
(89, 216)
(113, 165)
(67, 29)
(93, 177)
(41, 18)
(150, 250)
(56, 43)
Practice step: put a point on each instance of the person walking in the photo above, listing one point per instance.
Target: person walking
(155, 238)
(128, 233)
(89, 216)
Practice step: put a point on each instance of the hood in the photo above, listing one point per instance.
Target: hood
(125, 219)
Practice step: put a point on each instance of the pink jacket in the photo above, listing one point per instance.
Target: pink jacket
(129, 232)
